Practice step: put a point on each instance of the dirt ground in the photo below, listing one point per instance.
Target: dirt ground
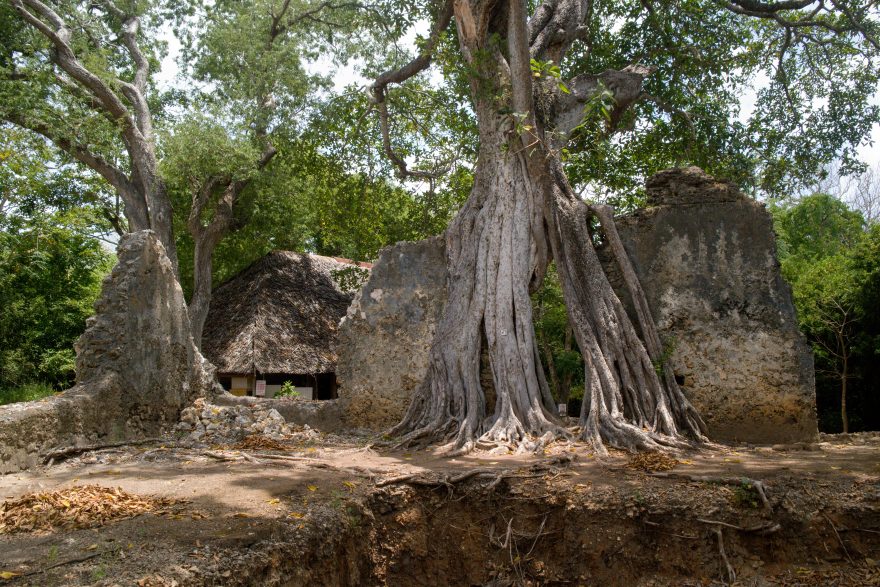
(340, 511)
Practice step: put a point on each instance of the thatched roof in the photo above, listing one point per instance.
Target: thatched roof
(280, 315)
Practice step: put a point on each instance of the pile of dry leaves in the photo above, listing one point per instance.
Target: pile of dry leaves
(652, 462)
(260, 442)
(80, 506)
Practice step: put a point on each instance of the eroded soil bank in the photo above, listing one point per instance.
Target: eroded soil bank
(347, 514)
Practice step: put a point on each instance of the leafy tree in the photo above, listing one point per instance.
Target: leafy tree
(248, 63)
(815, 227)
(50, 276)
(34, 182)
(550, 80)
(829, 313)
(79, 74)
(832, 264)
(308, 202)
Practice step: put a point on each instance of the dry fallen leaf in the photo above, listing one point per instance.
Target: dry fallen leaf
(313, 487)
(80, 506)
(7, 575)
(651, 461)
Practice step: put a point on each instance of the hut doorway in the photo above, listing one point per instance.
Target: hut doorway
(320, 386)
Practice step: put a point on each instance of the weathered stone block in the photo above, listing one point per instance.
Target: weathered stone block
(385, 338)
(137, 366)
(706, 256)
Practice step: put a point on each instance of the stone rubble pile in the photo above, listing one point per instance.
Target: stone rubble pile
(205, 422)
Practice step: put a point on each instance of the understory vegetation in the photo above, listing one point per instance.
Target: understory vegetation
(830, 254)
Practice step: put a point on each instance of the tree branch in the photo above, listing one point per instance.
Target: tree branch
(400, 75)
(114, 176)
(60, 37)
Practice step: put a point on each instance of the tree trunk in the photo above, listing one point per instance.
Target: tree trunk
(162, 221)
(203, 257)
(844, 375)
(520, 212)
(490, 261)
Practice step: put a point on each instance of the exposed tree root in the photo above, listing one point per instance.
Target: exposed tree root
(762, 529)
(731, 574)
(431, 479)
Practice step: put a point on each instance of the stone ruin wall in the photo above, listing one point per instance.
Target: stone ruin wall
(384, 339)
(136, 366)
(706, 256)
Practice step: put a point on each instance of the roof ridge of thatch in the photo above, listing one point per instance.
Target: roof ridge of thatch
(278, 315)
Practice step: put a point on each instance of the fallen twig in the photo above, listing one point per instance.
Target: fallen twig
(70, 561)
(839, 539)
(72, 451)
(221, 456)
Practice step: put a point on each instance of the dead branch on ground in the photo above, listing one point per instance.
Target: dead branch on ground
(65, 453)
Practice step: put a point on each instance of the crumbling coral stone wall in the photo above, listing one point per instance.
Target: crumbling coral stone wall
(706, 256)
(136, 365)
(385, 338)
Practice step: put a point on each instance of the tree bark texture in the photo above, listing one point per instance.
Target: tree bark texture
(843, 380)
(122, 101)
(521, 214)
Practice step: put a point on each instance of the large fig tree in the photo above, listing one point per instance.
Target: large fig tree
(522, 213)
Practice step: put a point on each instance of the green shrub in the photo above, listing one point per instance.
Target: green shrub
(287, 390)
(25, 393)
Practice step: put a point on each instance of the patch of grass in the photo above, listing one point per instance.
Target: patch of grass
(746, 496)
(25, 393)
(99, 573)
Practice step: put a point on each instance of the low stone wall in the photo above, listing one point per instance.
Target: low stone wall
(136, 365)
(323, 415)
(706, 256)
(385, 338)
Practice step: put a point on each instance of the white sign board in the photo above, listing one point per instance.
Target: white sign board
(563, 409)
(260, 391)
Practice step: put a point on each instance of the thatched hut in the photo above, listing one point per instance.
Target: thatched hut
(276, 321)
